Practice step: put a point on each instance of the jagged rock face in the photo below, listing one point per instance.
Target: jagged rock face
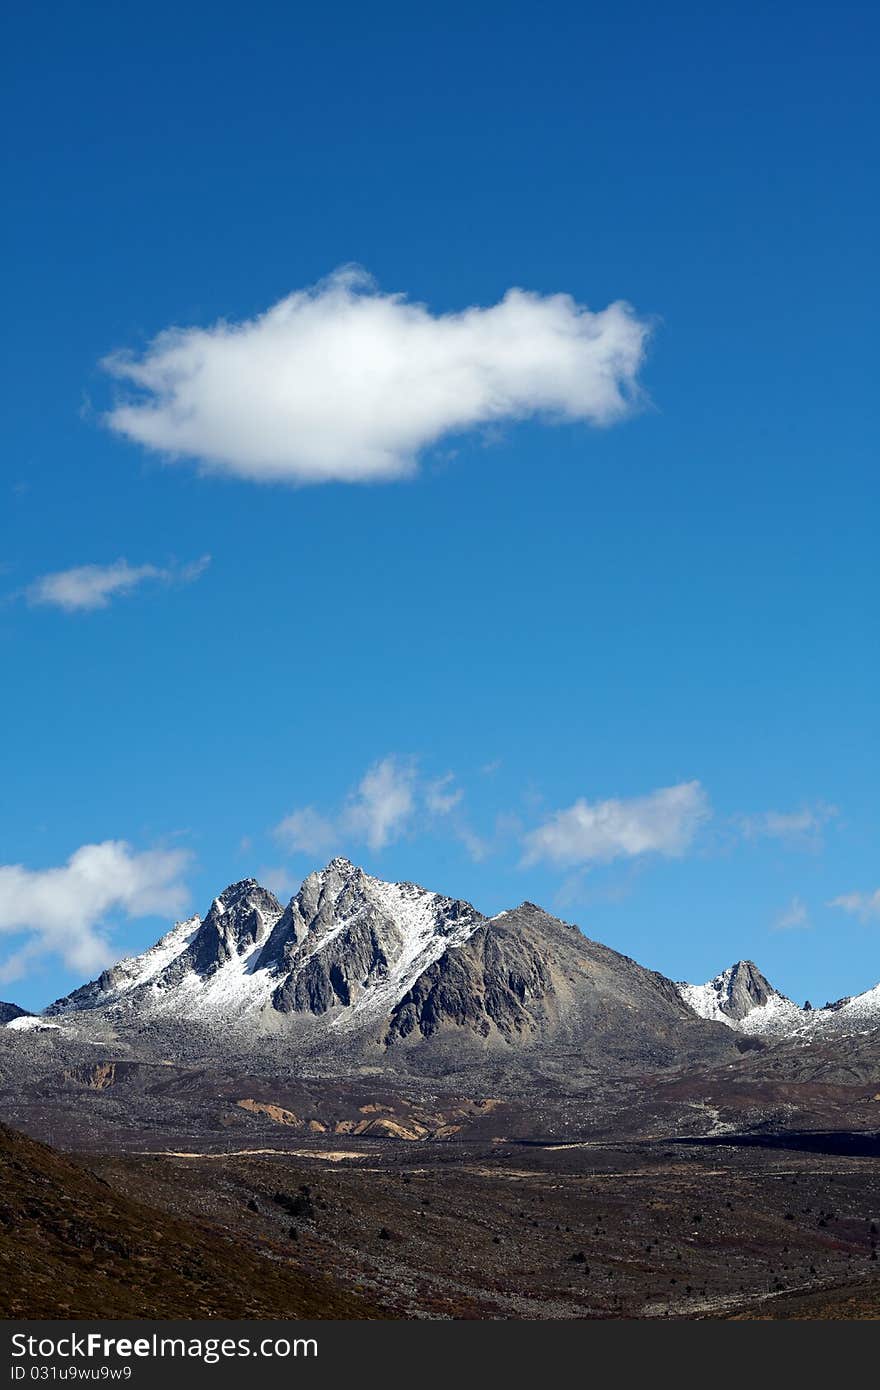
(345, 934)
(744, 989)
(10, 1011)
(743, 999)
(495, 980)
(733, 995)
(239, 919)
(527, 978)
(338, 972)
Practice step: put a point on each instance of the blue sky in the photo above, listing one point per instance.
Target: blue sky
(559, 614)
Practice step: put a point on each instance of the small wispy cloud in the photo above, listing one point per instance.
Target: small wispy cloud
(442, 795)
(340, 382)
(376, 813)
(794, 917)
(306, 831)
(63, 910)
(85, 588)
(865, 906)
(391, 800)
(279, 880)
(800, 829)
(663, 822)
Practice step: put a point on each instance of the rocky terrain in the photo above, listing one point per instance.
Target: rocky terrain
(357, 968)
(372, 1227)
(369, 999)
(72, 1246)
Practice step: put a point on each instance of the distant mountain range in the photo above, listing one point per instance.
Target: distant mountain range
(354, 966)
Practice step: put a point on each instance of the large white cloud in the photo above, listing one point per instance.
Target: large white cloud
(342, 382)
(663, 822)
(63, 910)
(87, 587)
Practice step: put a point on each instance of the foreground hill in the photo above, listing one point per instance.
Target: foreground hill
(71, 1247)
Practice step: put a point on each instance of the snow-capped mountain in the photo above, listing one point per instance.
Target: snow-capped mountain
(347, 945)
(353, 962)
(355, 965)
(743, 999)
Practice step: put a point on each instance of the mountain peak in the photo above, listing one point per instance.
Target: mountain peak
(745, 975)
(234, 892)
(336, 873)
(742, 997)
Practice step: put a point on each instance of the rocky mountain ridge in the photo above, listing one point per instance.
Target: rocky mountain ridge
(743, 999)
(357, 967)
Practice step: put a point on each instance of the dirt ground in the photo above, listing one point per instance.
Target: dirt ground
(591, 1230)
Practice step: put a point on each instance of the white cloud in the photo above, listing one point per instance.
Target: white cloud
(376, 813)
(475, 846)
(663, 822)
(795, 917)
(391, 800)
(442, 795)
(444, 802)
(307, 831)
(341, 382)
(87, 587)
(863, 905)
(802, 828)
(383, 804)
(63, 910)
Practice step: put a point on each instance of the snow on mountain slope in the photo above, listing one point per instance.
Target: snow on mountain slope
(857, 1012)
(348, 945)
(128, 974)
(29, 1023)
(10, 1011)
(198, 970)
(351, 955)
(743, 999)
